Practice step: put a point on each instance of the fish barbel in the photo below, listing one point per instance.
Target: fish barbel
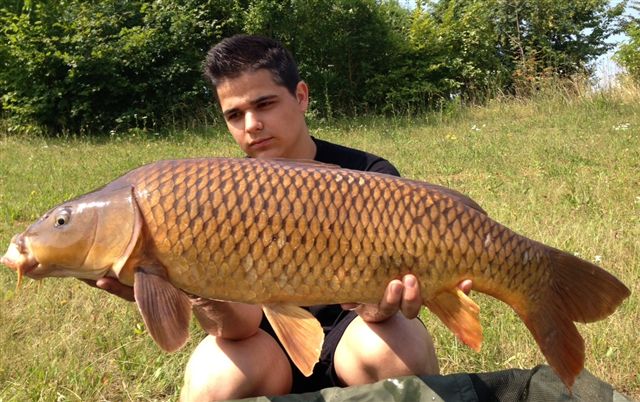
(291, 233)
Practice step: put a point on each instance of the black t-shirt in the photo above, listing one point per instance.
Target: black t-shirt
(347, 158)
(350, 158)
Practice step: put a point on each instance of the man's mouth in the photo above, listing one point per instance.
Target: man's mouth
(262, 142)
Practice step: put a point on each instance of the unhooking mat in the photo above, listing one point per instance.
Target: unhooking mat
(536, 385)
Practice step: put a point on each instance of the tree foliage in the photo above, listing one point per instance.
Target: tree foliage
(79, 65)
(519, 41)
(629, 53)
(108, 64)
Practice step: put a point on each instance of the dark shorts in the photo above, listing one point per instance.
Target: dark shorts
(324, 373)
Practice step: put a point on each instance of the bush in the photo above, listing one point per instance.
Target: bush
(338, 45)
(95, 66)
(113, 64)
(629, 53)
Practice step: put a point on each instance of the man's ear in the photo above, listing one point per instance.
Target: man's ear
(302, 95)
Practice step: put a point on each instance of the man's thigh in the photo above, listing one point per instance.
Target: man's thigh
(369, 352)
(223, 369)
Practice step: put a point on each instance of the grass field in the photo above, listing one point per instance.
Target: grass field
(561, 170)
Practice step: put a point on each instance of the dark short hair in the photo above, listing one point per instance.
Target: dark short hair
(238, 54)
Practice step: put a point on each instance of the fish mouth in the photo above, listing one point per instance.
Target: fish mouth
(19, 258)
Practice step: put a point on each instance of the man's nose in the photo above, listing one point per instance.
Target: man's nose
(252, 122)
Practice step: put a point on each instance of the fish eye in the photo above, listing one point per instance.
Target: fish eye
(62, 218)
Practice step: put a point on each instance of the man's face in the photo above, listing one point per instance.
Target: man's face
(265, 119)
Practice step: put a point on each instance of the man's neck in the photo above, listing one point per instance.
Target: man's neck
(306, 149)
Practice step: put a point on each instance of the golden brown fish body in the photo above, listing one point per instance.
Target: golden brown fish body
(275, 232)
(256, 232)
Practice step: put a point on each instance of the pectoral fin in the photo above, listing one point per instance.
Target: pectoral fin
(166, 310)
(299, 332)
(460, 314)
(206, 315)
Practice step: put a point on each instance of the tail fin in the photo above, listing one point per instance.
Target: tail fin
(589, 292)
(579, 291)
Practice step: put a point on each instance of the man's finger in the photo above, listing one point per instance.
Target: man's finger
(349, 306)
(390, 303)
(89, 282)
(114, 287)
(466, 286)
(411, 299)
(392, 296)
(388, 306)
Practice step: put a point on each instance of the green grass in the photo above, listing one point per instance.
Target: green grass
(560, 169)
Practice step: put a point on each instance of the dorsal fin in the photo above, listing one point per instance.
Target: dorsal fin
(305, 162)
(456, 195)
(431, 187)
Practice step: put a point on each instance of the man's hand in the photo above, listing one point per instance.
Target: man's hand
(113, 286)
(400, 295)
(227, 320)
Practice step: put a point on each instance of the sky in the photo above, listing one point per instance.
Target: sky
(606, 68)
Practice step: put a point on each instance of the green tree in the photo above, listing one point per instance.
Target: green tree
(529, 38)
(421, 72)
(99, 65)
(338, 45)
(628, 55)
(95, 66)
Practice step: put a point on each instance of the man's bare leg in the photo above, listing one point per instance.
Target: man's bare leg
(220, 369)
(369, 352)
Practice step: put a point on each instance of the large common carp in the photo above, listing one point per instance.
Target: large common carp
(285, 234)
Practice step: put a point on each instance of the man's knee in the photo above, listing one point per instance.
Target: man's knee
(221, 369)
(396, 347)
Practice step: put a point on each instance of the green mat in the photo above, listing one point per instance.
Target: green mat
(537, 384)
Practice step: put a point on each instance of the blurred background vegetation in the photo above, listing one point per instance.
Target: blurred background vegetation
(94, 67)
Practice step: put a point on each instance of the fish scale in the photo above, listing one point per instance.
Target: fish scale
(285, 233)
(349, 238)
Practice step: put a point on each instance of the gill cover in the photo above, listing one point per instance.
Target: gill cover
(88, 236)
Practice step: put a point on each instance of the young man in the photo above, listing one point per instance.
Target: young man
(264, 102)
